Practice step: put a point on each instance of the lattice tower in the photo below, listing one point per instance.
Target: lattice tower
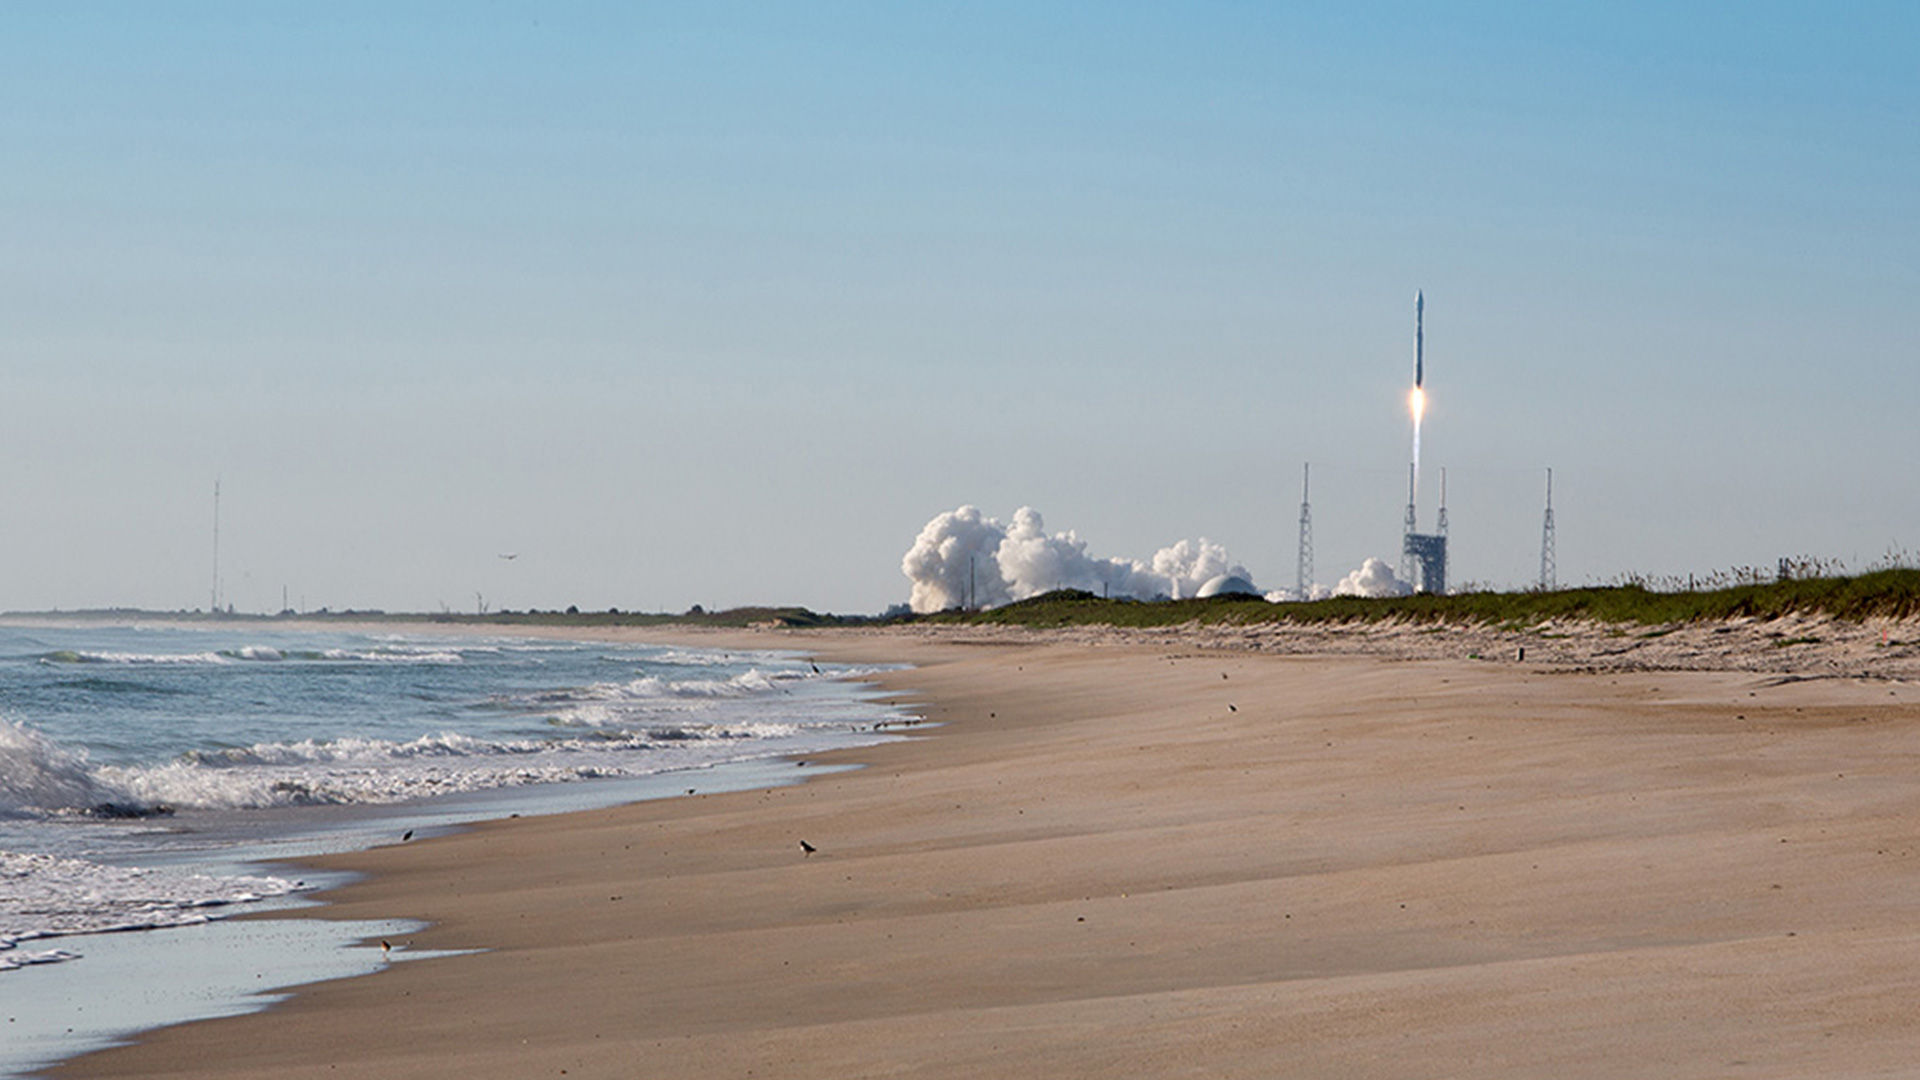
(1413, 526)
(1549, 572)
(1303, 565)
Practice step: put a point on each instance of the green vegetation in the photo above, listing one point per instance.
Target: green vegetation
(1894, 593)
(731, 618)
(1891, 592)
(735, 618)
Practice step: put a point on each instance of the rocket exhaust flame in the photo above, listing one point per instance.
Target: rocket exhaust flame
(1417, 405)
(1417, 399)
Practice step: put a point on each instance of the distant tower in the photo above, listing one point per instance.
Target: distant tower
(1413, 526)
(214, 603)
(1303, 567)
(1549, 573)
(1440, 523)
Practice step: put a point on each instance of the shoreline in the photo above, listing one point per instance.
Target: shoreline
(1152, 858)
(256, 956)
(1796, 644)
(56, 1011)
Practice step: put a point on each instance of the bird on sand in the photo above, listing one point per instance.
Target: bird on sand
(807, 848)
(1230, 707)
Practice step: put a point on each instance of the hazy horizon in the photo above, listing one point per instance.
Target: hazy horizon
(721, 306)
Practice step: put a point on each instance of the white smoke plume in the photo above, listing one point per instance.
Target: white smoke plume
(955, 559)
(962, 556)
(1292, 596)
(1374, 579)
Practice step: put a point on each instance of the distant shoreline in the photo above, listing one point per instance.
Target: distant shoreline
(1779, 628)
(1889, 593)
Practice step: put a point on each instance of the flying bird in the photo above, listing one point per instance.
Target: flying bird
(406, 836)
(510, 556)
(807, 849)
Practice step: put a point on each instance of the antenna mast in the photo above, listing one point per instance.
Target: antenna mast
(1303, 566)
(1413, 526)
(1549, 573)
(214, 603)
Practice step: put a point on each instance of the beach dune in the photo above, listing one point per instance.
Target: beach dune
(1143, 859)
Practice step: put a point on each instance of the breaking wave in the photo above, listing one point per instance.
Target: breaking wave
(654, 688)
(43, 896)
(41, 779)
(122, 725)
(261, 654)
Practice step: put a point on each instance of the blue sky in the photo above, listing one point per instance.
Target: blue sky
(720, 305)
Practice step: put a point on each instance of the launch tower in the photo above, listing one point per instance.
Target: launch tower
(1424, 555)
(1549, 568)
(1303, 566)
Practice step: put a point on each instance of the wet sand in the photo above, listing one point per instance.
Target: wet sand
(1132, 855)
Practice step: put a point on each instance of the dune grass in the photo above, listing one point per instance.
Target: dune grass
(731, 618)
(1893, 593)
(1889, 593)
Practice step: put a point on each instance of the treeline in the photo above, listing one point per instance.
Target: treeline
(1893, 593)
(1888, 593)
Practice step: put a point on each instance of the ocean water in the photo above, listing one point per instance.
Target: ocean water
(162, 777)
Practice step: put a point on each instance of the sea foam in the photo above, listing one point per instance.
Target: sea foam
(38, 777)
(110, 724)
(385, 654)
(43, 896)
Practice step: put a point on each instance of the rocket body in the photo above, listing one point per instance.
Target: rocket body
(1419, 337)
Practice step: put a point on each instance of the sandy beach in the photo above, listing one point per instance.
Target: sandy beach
(1194, 854)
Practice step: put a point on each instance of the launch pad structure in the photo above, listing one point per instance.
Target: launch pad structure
(1428, 553)
(1423, 556)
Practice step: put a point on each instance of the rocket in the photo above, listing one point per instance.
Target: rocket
(1419, 336)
